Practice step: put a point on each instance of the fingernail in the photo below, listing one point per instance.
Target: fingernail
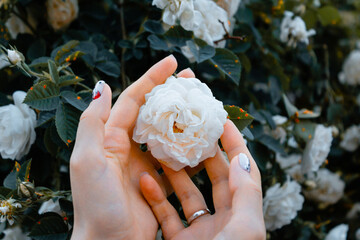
(98, 89)
(244, 162)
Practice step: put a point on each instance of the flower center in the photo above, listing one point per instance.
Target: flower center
(178, 128)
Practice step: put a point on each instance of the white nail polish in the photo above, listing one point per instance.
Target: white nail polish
(98, 89)
(244, 162)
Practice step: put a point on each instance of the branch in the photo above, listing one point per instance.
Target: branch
(228, 36)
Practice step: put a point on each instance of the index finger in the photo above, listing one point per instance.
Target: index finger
(124, 113)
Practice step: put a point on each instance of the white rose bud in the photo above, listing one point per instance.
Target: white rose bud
(338, 233)
(14, 56)
(26, 189)
(181, 122)
(17, 127)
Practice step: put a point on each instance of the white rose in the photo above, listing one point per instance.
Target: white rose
(279, 120)
(281, 204)
(329, 187)
(351, 69)
(15, 233)
(61, 13)
(288, 161)
(351, 139)
(354, 212)
(17, 26)
(295, 173)
(17, 128)
(50, 206)
(338, 233)
(181, 122)
(293, 30)
(211, 29)
(14, 56)
(317, 149)
(182, 10)
(292, 142)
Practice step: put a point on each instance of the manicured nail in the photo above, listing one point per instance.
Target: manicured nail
(98, 89)
(244, 162)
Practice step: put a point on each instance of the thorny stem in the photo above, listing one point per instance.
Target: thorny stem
(123, 31)
(228, 36)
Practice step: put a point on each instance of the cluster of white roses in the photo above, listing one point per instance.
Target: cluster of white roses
(322, 185)
(59, 15)
(200, 16)
(293, 30)
(351, 69)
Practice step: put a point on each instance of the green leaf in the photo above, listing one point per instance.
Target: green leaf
(153, 26)
(227, 63)
(290, 108)
(305, 130)
(200, 50)
(73, 99)
(64, 49)
(238, 116)
(50, 226)
(109, 68)
(158, 42)
(328, 15)
(68, 80)
(44, 117)
(178, 36)
(53, 71)
(10, 180)
(66, 121)
(43, 96)
(73, 56)
(24, 171)
(271, 143)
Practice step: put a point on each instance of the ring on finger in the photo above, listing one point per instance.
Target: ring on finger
(198, 214)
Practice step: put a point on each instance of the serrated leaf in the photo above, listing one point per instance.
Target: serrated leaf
(43, 96)
(238, 116)
(44, 117)
(66, 121)
(227, 63)
(305, 130)
(64, 49)
(53, 71)
(200, 50)
(73, 99)
(24, 171)
(68, 80)
(290, 108)
(50, 226)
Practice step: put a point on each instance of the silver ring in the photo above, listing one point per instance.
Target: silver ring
(198, 214)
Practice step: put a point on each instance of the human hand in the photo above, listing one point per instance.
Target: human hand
(237, 197)
(106, 164)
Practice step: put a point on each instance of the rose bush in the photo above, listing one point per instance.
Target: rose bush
(180, 122)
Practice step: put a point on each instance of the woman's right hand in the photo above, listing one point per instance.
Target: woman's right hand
(237, 196)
